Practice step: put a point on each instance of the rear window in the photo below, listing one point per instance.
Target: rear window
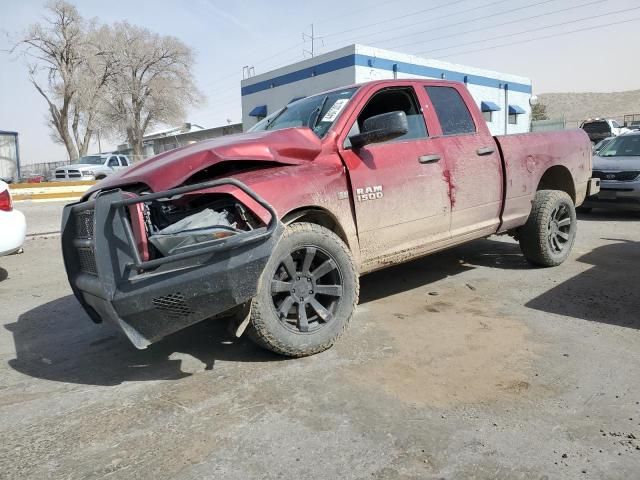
(596, 127)
(452, 112)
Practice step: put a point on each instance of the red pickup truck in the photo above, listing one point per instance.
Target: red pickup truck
(275, 225)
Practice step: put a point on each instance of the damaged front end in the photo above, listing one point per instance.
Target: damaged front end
(155, 263)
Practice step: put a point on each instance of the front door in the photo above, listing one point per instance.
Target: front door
(399, 187)
(113, 163)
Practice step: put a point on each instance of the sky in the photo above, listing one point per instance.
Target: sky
(562, 45)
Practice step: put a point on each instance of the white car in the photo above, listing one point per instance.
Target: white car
(91, 167)
(12, 223)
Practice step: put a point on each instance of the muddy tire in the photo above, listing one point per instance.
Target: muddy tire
(547, 237)
(307, 293)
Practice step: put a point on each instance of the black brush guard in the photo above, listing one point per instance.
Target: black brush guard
(151, 299)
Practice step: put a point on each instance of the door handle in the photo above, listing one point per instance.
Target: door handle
(429, 158)
(485, 151)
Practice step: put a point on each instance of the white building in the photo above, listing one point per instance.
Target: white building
(504, 98)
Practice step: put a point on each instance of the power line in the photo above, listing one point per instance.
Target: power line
(462, 33)
(433, 19)
(510, 22)
(397, 18)
(358, 10)
(532, 30)
(442, 27)
(260, 62)
(544, 37)
(297, 45)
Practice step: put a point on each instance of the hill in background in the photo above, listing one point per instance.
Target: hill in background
(576, 107)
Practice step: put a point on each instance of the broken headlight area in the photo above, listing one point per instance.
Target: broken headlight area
(177, 225)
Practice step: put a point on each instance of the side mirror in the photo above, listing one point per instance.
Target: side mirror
(381, 128)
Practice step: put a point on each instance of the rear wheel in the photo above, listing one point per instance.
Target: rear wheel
(547, 237)
(307, 294)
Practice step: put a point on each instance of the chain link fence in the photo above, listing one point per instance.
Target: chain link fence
(44, 170)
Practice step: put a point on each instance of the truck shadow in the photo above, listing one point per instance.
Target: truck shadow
(599, 215)
(3, 274)
(606, 293)
(490, 252)
(57, 341)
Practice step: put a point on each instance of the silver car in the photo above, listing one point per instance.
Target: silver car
(617, 165)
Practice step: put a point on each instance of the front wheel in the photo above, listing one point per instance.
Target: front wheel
(307, 293)
(547, 237)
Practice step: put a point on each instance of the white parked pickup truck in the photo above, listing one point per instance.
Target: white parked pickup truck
(600, 128)
(92, 167)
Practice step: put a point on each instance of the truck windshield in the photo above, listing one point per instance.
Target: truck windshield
(623, 146)
(318, 113)
(90, 160)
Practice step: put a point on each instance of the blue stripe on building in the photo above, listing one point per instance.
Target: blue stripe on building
(383, 64)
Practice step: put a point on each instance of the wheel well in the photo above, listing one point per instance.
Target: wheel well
(558, 177)
(318, 216)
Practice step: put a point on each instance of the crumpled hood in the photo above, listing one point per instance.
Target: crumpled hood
(291, 146)
(616, 164)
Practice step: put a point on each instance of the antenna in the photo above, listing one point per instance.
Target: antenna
(248, 71)
(313, 39)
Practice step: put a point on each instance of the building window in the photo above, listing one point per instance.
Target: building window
(514, 111)
(488, 116)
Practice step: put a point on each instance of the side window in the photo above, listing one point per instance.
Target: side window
(123, 161)
(113, 162)
(392, 100)
(451, 110)
(615, 124)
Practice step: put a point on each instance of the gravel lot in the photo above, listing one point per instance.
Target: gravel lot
(466, 364)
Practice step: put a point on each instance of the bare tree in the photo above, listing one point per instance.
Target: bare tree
(94, 75)
(67, 66)
(154, 83)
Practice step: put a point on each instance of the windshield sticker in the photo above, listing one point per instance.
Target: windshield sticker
(335, 110)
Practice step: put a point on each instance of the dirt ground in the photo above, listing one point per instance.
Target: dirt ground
(466, 364)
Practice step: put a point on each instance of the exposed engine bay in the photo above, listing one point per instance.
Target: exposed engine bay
(180, 224)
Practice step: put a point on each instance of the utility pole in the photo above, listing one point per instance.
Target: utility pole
(313, 39)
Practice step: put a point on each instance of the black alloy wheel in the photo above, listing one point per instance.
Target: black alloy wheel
(559, 228)
(306, 289)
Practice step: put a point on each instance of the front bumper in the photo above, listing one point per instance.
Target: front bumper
(616, 194)
(64, 177)
(148, 300)
(13, 228)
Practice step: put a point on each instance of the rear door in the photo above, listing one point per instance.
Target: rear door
(399, 189)
(474, 166)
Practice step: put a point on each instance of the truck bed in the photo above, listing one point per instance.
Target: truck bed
(529, 156)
